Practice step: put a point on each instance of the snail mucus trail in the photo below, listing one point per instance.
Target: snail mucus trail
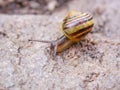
(75, 26)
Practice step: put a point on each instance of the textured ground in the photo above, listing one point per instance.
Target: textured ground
(93, 64)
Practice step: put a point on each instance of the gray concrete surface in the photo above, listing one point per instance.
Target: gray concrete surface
(93, 64)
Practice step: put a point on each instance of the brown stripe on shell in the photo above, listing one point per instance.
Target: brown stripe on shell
(84, 33)
(81, 30)
(71, 18)
(79, 18)
(76, 24)
(77, 21)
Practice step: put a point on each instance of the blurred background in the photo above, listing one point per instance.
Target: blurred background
(30, 6)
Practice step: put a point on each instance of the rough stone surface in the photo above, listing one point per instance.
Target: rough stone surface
(93, 64)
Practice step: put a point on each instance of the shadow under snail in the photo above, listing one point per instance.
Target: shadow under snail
(76, 25)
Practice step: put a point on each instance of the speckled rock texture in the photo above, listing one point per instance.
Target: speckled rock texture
(92, 64)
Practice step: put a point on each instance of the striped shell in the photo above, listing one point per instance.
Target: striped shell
(77, 24)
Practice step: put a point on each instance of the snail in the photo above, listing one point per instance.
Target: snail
(76, 25)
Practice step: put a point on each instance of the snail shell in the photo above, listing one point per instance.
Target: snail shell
(77, 24)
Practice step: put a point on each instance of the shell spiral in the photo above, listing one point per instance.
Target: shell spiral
(77, 24)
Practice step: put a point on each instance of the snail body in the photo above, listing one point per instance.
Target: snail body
(75, 26)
